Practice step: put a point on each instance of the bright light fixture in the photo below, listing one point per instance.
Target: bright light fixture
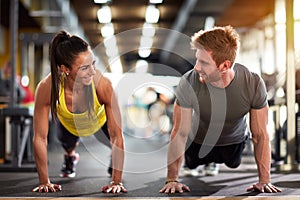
(152, 14)
(141, 66)
(144, 52)
(112, 51)
(104, 14)
(148, 30)
(110, 41)
(101, 1)
(155, 1)
(107, 30)
(146, 42)
(115, 65)
(209, 23)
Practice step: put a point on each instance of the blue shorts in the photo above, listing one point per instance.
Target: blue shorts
(69, 141)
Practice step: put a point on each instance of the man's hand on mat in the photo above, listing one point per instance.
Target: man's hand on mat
(49, 187)
(173, 187)
(264, 187)
(114, 188)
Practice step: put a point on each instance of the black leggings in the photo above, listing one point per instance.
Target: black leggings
(69, 141)
(230, 155)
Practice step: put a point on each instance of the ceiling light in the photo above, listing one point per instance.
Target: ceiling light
(101, 1)
(104, 14)
(148, 30)
(152, 14)
(146, 42)
(141, 66)
(112, 51)
(209, 23)
(144, 53)
(110, 42)
(116, 65)
(155, 1)
(107, 30)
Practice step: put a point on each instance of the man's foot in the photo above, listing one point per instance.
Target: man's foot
(190, 172)
(68, 168)
(211, 169)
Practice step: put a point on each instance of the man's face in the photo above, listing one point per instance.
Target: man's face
(206, 67)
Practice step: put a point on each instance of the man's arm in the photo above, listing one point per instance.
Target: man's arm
(262, 149)
(182, 125)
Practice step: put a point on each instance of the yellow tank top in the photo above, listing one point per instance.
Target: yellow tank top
(80, 124)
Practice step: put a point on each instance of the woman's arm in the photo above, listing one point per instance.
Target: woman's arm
(40, 126)
(107, 97)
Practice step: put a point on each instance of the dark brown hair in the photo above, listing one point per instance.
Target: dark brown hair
(64, 49)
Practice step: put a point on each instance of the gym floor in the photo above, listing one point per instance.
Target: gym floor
(144, 175)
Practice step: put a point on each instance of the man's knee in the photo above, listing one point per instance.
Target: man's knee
(233, 164)
(190, 162)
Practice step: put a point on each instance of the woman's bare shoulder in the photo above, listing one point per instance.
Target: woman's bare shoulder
(101, 81)
(43, 90)
(104, 87)
(45, 82)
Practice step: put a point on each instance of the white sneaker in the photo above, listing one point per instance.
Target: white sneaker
(211, 169)
(190, 172)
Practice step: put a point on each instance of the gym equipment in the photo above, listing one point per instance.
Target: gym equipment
(21, 123)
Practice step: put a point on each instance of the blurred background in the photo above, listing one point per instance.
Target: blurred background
(143, 47)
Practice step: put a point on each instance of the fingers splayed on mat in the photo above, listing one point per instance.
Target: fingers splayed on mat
(49, 187)
(114, 188)
(173, 187)
(264, 187)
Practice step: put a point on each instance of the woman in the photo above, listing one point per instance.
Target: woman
(81, 101)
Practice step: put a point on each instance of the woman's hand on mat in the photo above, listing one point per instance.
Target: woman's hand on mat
(114, 188)
(49, 187)
(173, 187)
(264, 187)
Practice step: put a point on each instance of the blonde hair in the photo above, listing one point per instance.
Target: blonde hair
(223, 42)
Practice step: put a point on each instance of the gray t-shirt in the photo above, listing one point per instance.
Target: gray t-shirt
(219, 115)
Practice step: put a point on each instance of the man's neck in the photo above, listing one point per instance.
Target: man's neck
(225, 80)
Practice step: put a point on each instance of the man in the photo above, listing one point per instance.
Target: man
(210, 112)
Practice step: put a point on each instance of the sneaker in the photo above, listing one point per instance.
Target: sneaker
(68, 168)
(211, 169)
(190, 172)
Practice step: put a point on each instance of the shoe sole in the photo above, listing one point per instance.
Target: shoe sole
(190, 174)
(64, 175)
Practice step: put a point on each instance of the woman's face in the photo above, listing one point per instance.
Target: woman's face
(84, 68)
